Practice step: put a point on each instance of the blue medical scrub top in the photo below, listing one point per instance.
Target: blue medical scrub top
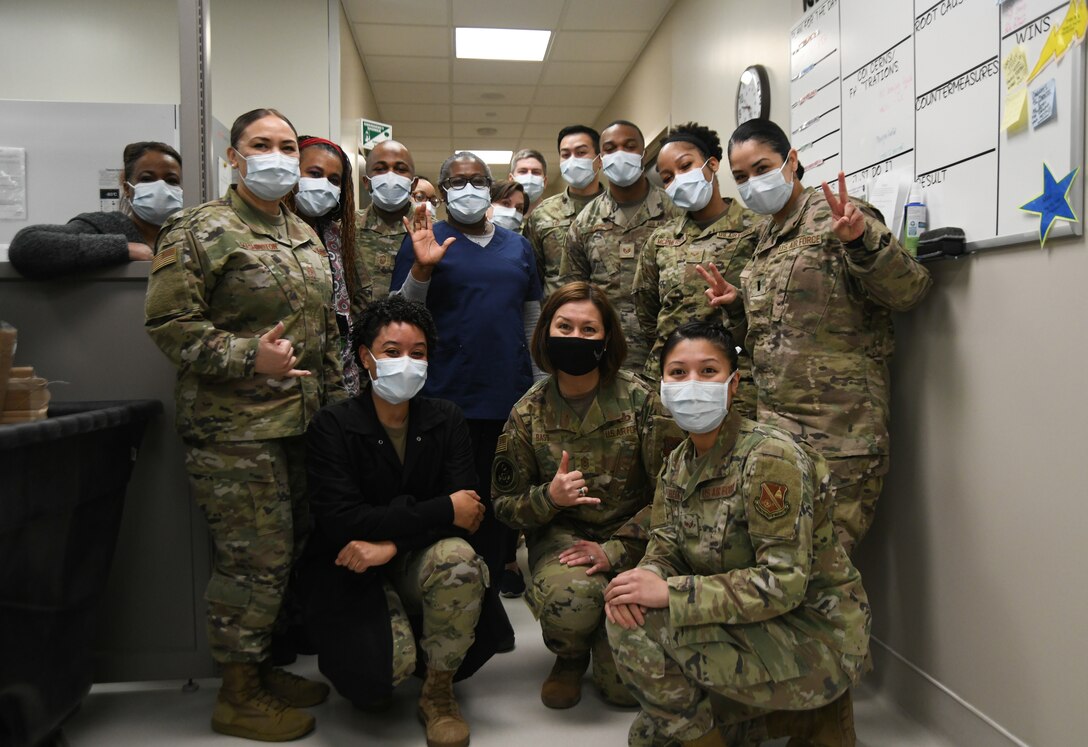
(477, 297)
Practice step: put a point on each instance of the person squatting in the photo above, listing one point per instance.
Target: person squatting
(680, 400)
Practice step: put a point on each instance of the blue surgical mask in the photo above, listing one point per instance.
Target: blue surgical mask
(507, 217)
(690, 190)
(767, 193)
(532, 184)
(468, 204)
(622, 168)
(271, 175)
(154, 202)
(578, 172)
(316, 197)
(697, 406)
(390, 191)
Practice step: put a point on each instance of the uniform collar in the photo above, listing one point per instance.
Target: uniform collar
(263, 225)
(373, 222)
(770, 232)
(604, 409)
(715, 462)
(731, 220)
(652, 206)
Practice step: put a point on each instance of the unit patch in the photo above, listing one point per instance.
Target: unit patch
(772, 501)
(504, 474)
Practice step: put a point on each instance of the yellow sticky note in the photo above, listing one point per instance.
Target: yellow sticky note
(1046, 56)
(1072, 28)
(1015, 66)
(1016, 111)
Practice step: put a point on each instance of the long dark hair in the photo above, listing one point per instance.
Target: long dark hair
(767, 132)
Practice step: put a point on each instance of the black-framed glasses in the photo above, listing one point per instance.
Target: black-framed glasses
(460, 182)
(422, 197)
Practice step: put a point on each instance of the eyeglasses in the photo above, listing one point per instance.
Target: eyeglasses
(422, 197)
(459, 182)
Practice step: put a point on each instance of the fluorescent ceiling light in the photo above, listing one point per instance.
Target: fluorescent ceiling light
(501, 44)
(491, 156)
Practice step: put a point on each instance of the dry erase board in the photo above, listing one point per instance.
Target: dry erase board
(73, 153)
(936, 93)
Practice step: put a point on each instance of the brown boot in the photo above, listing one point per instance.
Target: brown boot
(831, 725)
(439, 713)
(712, 738)
(245, 709)
(563, 687)
(295, 691)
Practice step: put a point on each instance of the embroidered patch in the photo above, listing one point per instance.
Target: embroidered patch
(309, 272)
(718, 491)
(164, 258)
(772, 501)
(504, 475)
(673, 494)
(270, 246)
(385, 262)
(622, 430)
(627, 251)
(802, 241)
(503, 444)
(663, 241)
(729, 234)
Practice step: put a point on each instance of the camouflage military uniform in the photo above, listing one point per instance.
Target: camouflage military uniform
(223, 275)
(444, 584)
(547, 228)
(765, 607)
(376, 247)
(669, 292)
(618, 446)
(603, 247)
(819, 330)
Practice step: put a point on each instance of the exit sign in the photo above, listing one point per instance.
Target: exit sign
(371, 133)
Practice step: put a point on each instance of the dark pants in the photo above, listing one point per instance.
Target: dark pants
(493, 539)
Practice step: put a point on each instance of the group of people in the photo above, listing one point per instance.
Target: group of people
(680, 401)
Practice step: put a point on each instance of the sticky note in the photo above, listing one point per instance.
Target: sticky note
(1015, 66)
(1016, 111)
(1072, 28)
(1047, 55)
(1044, 101)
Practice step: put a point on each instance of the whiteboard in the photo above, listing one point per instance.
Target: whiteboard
(917, 89)
(68, 146)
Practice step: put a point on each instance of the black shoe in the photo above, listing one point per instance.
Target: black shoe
(506, 645)
(512, 584)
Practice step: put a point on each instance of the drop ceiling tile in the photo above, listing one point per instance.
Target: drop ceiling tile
(390, 39)
(406, 69)
(489, 113)
(572, 95)
(546, 132)
(413, 12)
(563, 115)
(496, 71)
(469, 130)
(508, 14)
(422, 144)
(510, 95)
(420, 129)
(415, 112)
(615, 15)
(573, 73)
(411, 93)
(597, 46)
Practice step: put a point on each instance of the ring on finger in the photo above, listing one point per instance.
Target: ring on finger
(582, 491)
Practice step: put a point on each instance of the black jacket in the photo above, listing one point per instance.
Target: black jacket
(359, 490)
(90, 241)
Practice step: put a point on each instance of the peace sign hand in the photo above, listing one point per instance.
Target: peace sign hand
(427, 249)
(719, 292)
(849, 221)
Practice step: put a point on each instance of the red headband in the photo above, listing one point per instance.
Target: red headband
(308, 141)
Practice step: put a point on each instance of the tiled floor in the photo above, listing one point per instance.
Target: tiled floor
(501, 703)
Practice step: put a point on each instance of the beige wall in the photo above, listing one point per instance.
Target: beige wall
(271, 53)
(973, 565)
(110, 51)
(356, 96)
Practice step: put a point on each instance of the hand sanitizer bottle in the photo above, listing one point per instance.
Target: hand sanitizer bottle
(915, 219)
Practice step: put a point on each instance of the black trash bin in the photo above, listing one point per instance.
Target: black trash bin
(62, 489)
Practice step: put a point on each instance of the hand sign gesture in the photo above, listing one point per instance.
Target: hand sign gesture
(568, 488)
(849, 221)
(276, 356)
(427, 249)
(720, 292)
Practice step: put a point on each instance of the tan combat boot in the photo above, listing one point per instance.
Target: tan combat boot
(295, 691)
(829, 726)
(563, 687)
(245, 709)
(439, 713)
(712, 738)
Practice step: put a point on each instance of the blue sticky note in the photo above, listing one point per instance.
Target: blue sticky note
(1044, 103)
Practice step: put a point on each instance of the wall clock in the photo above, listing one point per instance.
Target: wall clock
(753, 94)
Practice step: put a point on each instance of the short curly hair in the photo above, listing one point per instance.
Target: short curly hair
(702, 137)
(390, 310)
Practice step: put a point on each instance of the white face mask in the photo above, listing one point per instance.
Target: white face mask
(397, 380)
(697, 406)
(532, 183)
(316, 197)
(468, 204)
(431, 209)
(155, 201)
(622, 168)
(690, 190)
(507, 217)
(390, 191)
(577, 171)
(767, 193)
(271, 175)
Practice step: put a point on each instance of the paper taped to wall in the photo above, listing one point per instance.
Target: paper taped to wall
(12, 184)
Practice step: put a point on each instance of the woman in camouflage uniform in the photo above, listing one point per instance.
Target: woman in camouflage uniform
(744, 592)
(238, 300)
(574, 464)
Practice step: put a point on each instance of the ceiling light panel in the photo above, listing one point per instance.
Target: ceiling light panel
(501, 44)
(491, 156)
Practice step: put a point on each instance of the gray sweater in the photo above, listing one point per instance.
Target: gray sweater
(87, 242)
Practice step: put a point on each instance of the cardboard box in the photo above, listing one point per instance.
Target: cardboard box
(7, 353)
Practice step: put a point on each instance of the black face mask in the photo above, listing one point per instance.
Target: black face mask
(576, 356)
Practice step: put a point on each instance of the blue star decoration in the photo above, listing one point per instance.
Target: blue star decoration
(1053, 203)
